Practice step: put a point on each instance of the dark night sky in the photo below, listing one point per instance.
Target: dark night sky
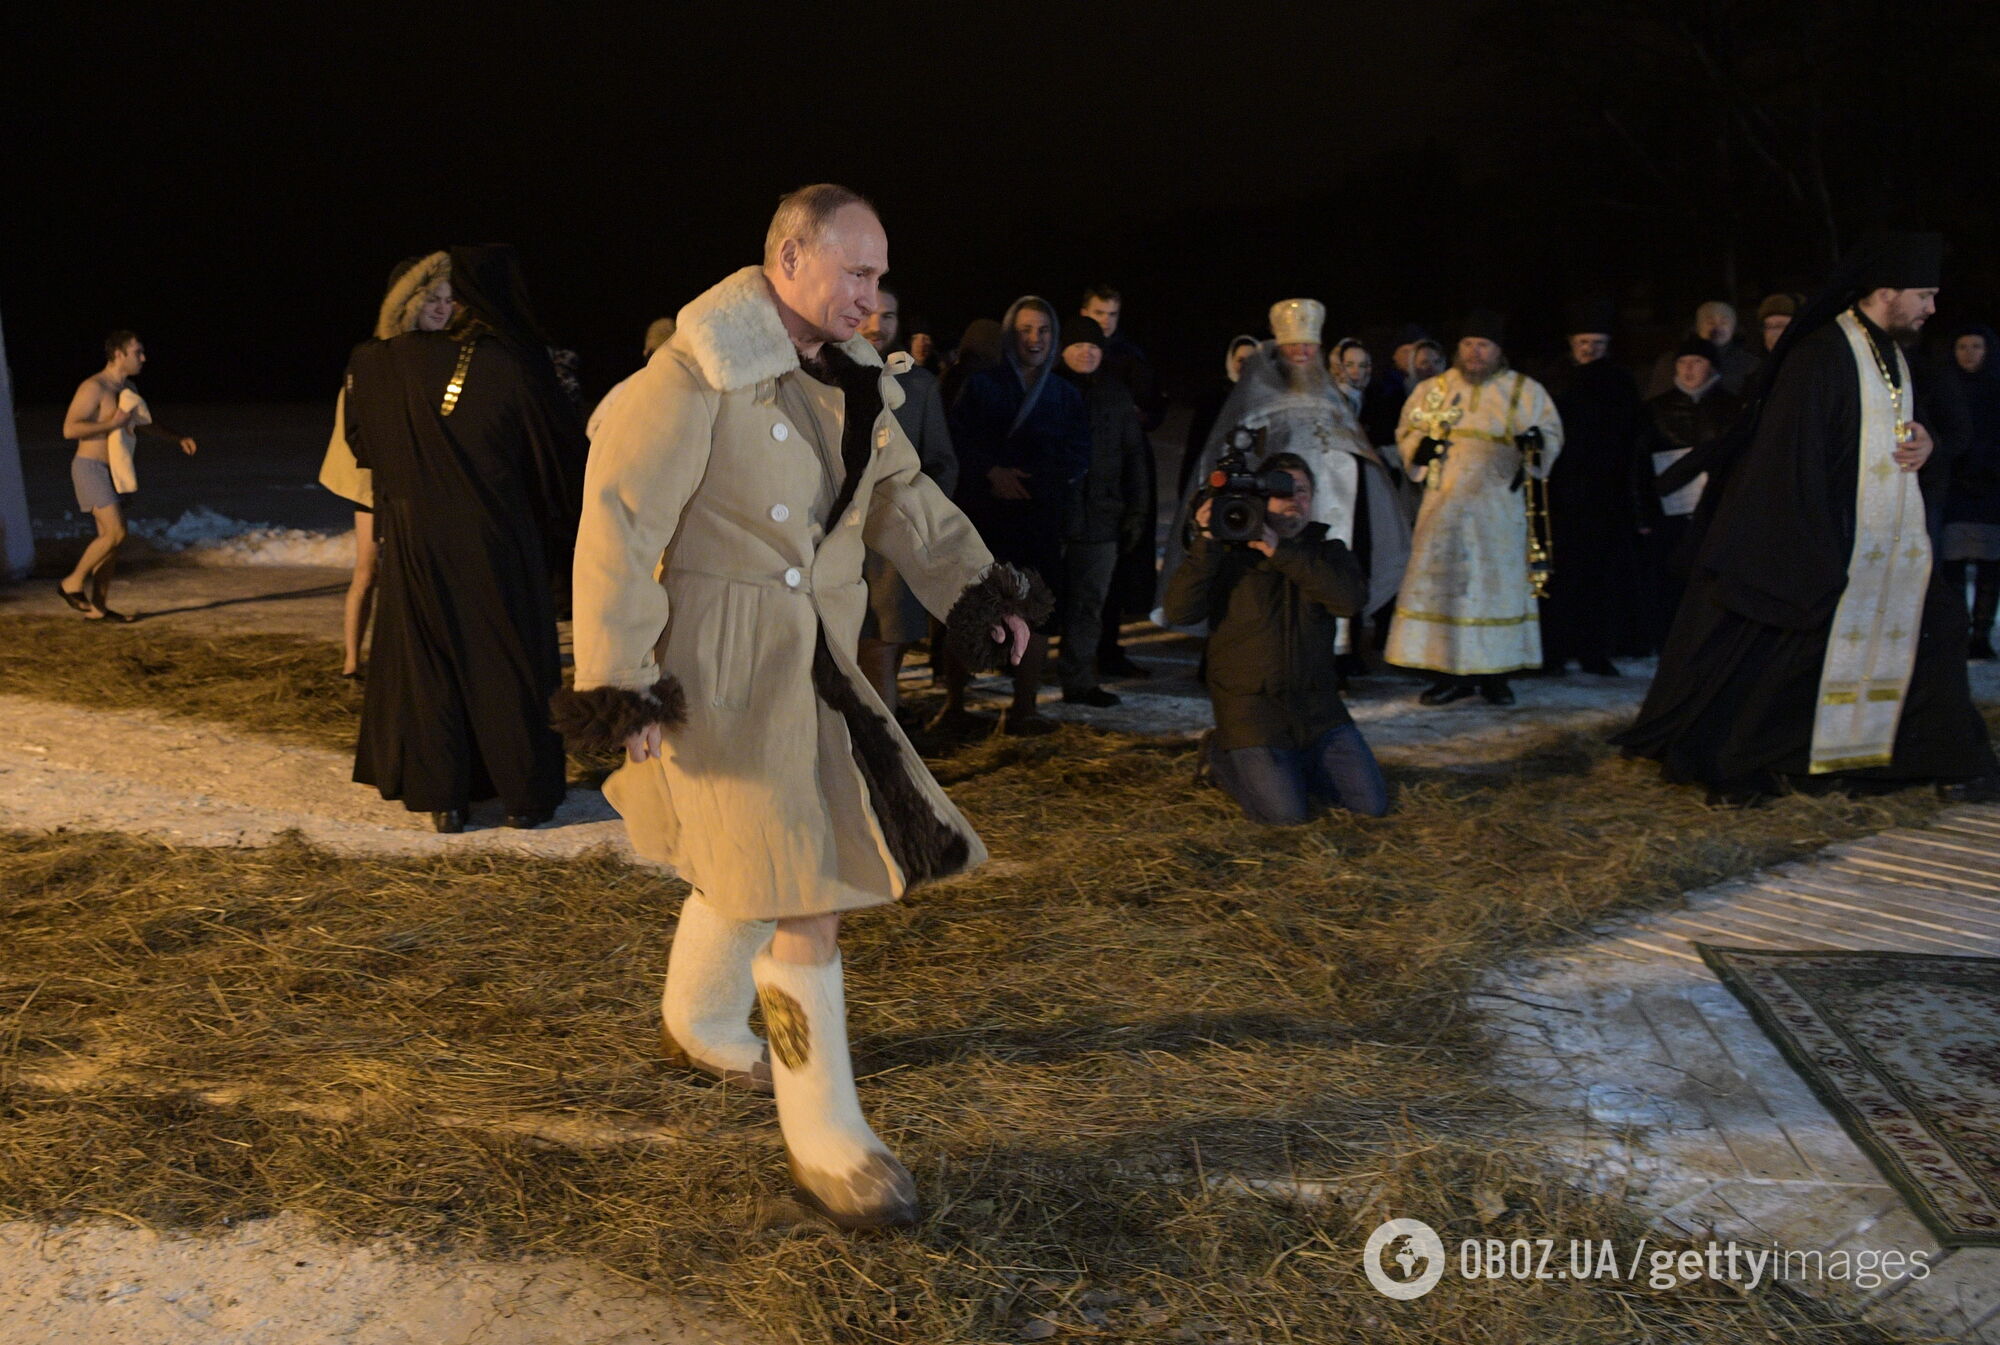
(241, 204)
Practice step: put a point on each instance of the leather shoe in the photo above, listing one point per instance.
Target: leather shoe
(1444, 693)
(529, 821)
(1096, 696)
(1027, 724)
(1599, 667)
(1985, 789)
(450, 821)
(1495, 691)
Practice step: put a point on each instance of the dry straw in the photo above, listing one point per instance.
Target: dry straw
(1097, 1054)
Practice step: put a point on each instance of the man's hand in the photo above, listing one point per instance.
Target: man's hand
(1006, 483)
(643, 745)
(119, 419)
(1013, 632)
(1916, 451)
(187, 445)
(1268, 543)
(1201, 514)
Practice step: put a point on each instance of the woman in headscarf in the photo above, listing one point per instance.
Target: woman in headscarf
(477, 457)
(1023, 441)
(419, 300)
(1972, 503)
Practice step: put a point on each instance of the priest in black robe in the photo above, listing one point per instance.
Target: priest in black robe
(478, 460)
(1592, 527)
(1746, 700)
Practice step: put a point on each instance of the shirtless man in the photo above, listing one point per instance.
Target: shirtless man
(93, 415)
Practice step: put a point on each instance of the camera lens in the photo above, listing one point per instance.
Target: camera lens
(1238, 519)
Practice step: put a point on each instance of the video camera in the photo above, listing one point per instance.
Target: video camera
(1237, 494)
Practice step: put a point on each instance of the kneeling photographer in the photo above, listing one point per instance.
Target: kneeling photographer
(1270, 587)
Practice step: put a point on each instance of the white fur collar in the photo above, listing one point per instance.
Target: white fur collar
(735, 337)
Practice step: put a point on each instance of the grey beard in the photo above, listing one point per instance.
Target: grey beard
(1304, 379)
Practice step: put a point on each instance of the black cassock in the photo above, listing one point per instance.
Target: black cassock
(1733, 703)
(474, 512)
(1590, 512)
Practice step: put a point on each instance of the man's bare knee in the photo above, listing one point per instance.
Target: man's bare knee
(807, 940)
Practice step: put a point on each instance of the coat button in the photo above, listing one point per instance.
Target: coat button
(853, 518)
(882, 437)
(780, 432)
(779, 513)
(792, 577)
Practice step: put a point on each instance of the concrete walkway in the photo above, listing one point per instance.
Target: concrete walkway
(1659, 1086)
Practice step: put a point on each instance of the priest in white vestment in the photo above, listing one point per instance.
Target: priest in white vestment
(1466, 612)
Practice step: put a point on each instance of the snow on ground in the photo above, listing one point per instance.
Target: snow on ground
(206, 537)
(277, 1281)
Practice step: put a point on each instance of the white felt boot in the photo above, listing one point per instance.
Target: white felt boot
(840, 1167)
(705, 1008)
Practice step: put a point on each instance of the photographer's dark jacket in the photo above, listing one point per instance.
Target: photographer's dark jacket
(1270, 658)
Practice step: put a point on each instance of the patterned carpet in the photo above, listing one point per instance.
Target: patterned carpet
(1904, 1048)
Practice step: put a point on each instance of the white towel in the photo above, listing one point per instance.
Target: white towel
(122, 440)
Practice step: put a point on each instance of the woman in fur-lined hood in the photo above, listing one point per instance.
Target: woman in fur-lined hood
(419, 299)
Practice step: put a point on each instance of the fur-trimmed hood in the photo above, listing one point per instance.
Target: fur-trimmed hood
(401, 304)
(734, 336)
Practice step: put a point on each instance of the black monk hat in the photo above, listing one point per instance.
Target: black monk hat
(1903, 261)
(1485, 324)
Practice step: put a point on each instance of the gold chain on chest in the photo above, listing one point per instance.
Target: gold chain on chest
(1901, 426)
(453, 389)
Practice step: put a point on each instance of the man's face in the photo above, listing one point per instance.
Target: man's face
(1083, 357)
(129, 361)
(1692, 372)
(833, 283)
(1478, 357)
(1300, 353)
(1906, 311)
(1589, 347)
(1032, 337)
(1773, 327)
(1717, 326)
(1289, 514)
(1426, 362)
(881, 325)
(1104, 312)
(1237, 357)
(921, 347)
(1970, 352)
(1357, 366)
(435, 314)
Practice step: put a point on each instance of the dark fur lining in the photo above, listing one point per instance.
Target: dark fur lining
(861, 402)
(1004, 590)
(604, 717)
(924, 845)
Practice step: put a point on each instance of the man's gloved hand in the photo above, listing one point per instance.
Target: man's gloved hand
(1529, 442)
(1428, 452)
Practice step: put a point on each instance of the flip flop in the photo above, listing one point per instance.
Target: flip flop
(76, 600)
(120, 617)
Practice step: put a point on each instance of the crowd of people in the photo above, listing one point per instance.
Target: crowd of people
(801, 483)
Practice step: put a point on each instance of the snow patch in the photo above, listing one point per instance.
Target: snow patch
(208, 537)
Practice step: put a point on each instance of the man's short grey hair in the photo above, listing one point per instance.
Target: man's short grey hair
(803, 214)
(1715, 308)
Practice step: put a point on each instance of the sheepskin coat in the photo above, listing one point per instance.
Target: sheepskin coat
(711, 557)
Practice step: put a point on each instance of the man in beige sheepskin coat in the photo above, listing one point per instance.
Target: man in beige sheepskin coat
(731, 495)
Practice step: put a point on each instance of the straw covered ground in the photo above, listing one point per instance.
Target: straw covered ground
(1091, 1053)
